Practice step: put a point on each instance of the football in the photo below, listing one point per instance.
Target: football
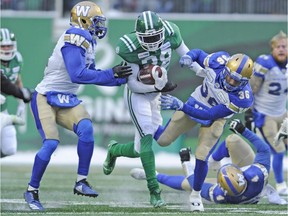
(145, 74)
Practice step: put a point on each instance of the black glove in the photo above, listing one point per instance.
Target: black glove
(27, 94)
(249, 122)
(122, 70)
(236, 126)
(170, 86)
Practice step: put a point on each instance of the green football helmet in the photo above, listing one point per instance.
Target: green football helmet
(149, 30)
(8, 44)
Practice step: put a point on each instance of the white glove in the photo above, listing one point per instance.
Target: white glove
(160, 82)
(2, 99)
(21, 109)
(185, 60)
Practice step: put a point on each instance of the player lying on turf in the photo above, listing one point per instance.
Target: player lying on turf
(242, 182)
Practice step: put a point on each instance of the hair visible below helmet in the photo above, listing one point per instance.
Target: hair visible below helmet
(281, 35)
(231, 179)
(88, 15)
(240, 68)
(8, 44)
(149, 30)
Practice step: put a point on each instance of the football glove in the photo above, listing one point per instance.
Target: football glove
(249, 121)
(170, 86)
(169, 102)
(185, 60)
(21, 109)
(236, 126)
(27, 94)
(160, 82)
(122, 71)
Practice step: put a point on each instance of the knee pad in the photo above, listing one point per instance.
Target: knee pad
(48, 147)
(217, 128)
(84, 130)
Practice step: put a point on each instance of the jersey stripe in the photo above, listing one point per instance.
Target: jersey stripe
(129, 44)
(168, 27)
(134, 119)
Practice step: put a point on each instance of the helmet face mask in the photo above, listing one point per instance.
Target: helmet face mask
(89, 16)
(8, 45)
(237, 72)
(232, 180)
(149, 31)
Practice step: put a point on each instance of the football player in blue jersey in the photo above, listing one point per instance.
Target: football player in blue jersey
(269, 86)
(244, 181)
(224, 92)
(55, 101)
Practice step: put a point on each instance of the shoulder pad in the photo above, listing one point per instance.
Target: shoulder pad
(263, 64)
(170, 27)
(18, 57)
(78, 37)
(128, 43)
(216, 60)
(241, 101)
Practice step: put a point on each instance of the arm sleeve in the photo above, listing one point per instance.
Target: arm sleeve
(198, 56)
(216, 112)
(74, 58)
(9, 88)
(182, 49)
(137, 86)
(262, 149)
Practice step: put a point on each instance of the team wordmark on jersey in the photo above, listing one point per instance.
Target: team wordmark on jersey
(63, 98)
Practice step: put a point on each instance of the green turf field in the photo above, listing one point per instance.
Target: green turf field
(119, 195)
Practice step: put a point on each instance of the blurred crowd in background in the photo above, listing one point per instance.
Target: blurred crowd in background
(160, 6)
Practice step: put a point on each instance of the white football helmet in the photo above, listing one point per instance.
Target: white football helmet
(8, 44)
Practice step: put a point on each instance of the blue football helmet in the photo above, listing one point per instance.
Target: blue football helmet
(232, 180)
(238, 71)
(88, 15)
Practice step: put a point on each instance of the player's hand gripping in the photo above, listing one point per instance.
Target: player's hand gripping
(27, 94)
(160, 82)
(170, 86)
(185, 60)
(169, 102)
(122, 71)
(236, 126)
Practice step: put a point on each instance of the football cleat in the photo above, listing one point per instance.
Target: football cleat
(83, 188)
(110, 161)
(282, 133)
(156, 200)
(185, 154)
(32, 199)
(196, 202)
(282, 189)
(138, 173)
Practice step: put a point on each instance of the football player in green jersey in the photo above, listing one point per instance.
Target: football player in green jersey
(152, 42)
(11, 66)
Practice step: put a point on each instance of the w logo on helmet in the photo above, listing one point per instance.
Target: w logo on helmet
(82, 10)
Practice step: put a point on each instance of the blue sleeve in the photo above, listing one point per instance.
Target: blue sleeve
(262, 148)
(74, 58)
(216, 112)
(205, 191)
(198, 55)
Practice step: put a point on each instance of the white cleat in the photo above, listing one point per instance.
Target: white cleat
(273, 196)
(196, 202)
(282, 189)
(138, 173)
(282, 133)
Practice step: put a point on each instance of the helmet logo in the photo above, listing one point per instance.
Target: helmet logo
(82, 10)
(241, 180)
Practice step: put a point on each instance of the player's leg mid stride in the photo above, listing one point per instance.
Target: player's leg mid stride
(110, 161)
(195, 197)
(84, 188)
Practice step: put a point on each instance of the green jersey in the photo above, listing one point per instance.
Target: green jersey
(129, 48)
(12, 71)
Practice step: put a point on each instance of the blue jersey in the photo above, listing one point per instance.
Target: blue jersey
(210, 101)
(255, 174)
